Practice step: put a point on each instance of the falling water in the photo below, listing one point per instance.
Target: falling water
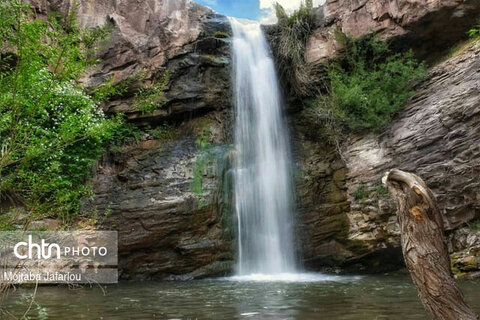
(263, 195)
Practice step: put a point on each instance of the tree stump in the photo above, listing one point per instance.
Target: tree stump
(424, 247)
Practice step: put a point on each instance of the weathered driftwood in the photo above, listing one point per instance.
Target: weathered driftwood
(424, 247)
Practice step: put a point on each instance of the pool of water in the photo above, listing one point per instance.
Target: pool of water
(317, 297)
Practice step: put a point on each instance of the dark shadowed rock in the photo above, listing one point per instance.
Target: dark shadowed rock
(168, 228)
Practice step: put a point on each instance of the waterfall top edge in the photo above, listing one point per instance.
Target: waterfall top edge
(243, 21)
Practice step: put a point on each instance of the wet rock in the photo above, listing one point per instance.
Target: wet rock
(466, 263)
(169, 228)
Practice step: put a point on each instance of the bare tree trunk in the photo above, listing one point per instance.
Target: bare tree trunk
(424, 247)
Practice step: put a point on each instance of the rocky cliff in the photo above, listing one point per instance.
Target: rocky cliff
(164, 194)
(430, 28)
(345, 212)
(170, 195)
(435, 136)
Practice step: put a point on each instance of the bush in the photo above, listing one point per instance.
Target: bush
(360, 192)
(124, 134)
(221, 35)
(288, 44)
(474, 32)
(163, 132)
(152, 98)
(368, 85)
(51, 131)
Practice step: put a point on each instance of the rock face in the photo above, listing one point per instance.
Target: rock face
(465, 243)
(435, 136)
(170, 198)
(170, 228)
(146, 40)
(164, 195)
(428, 27)
(330, 239)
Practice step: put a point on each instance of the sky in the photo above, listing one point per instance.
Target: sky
(260, 10)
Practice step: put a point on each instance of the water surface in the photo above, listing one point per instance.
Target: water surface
(369, 297)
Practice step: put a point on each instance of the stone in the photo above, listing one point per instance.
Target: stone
(167, 230)
(44, 224)
(146, 39)
(416, 24)
(435, 136)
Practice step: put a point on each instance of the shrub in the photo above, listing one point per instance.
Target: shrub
(474, 32)
(152, 98)
(51, 131)
(368, 85)
(124, 134)
(163, 132)
(221, 35)
(360, 192)
(288, 43)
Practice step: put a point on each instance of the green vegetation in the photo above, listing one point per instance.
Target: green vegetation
(152, 98)
(221, 35)
(108, 90)
(34, 309)
(124, 134)
(198, 170)
(203, 133)
(209, 158)
(207, 154)
(163, 132)
(128, 133)
(289, 41)
(474, 32)
(368, 85)
(51, 131)
(360, 91)
(474, 225)
(381, 190)
(360, 192)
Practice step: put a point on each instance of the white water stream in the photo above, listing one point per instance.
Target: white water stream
(263, 191)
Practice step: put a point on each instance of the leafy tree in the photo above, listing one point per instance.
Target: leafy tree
(51, 131)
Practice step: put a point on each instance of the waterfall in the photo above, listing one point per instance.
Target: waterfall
(263, 191)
